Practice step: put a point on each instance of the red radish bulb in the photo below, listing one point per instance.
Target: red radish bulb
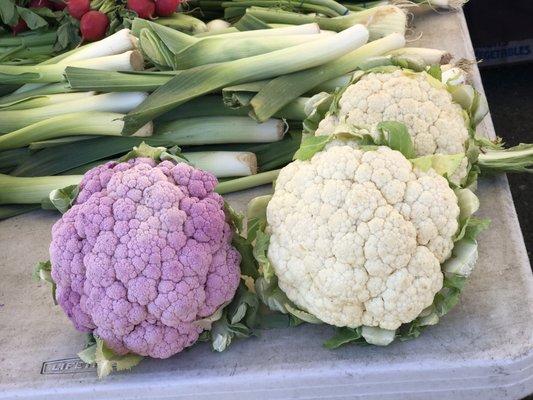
(58, 5)
(40, 4)
(77, 8)
(93, 26)
(144, 8)
(164, 8)
(20, 26)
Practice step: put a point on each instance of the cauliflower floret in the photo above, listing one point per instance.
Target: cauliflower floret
(144, 253)
(357, 238)
(434, 121)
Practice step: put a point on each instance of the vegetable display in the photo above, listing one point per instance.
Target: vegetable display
(370, 146)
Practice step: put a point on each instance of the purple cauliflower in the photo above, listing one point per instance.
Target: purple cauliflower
(144, 252)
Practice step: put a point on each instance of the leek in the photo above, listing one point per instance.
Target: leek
(223, 49)
(42, 90)
(205, 106)
(80, 123)
(426, 56)
(250, 23)
(214, 106)
(206, 79)
(380, 21)
(42, 101)
(109, 102)
(183, 22)
(131, 60)
(325, 7)
(238, 96)
(117, 43)
(280, 91)
(248, 182)
(114, 81)
(304, 29)
(231, 29)
(22, 190)
(211, 130)
(59, 141)
(224, 164)
(11, 158)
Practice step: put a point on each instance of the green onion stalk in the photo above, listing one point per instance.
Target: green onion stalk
(380, 21)
(202, 80)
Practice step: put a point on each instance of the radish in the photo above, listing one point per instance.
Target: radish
(164, 8)
(93, 26)
(144, 8)
(40, 4)
(77, 8)
(20, 26)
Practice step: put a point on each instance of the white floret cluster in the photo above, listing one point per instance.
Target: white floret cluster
(435, 123)
(357, 237)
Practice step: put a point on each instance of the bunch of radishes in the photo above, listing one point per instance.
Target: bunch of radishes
(94, 23)
(153, 8)
(94, 19)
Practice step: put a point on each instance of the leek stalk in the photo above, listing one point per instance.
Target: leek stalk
(80, 123)
(183, 22)
(114, 81)
(426, 56)
(304, 6)
(9, 74)
(224, 164)
(304, 29)
(212, 130)
(42, 90)
(109, 102)
(42, 101)
(198, 81)
(248, 182)
(218, 50)
(380, 21)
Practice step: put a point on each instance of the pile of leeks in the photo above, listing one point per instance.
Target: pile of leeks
(230, 101)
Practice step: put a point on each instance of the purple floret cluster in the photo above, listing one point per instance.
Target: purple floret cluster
(143, 254)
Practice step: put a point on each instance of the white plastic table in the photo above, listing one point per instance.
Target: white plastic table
(483, 349)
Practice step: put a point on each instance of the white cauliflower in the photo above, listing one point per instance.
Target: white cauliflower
(435, 123)
(358, 237)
